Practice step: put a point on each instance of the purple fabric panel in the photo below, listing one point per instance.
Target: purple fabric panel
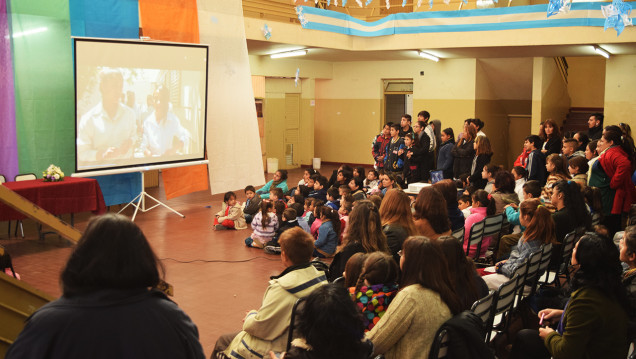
(8, 140)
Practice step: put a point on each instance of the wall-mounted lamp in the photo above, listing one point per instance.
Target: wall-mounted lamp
(289, 54)
(601, 52)
(428, 56)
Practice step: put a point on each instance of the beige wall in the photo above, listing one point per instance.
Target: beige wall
(586, 81)
(620, 87)
(550, 98)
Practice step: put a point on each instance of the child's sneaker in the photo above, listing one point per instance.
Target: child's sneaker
(249, 241)
(219, 227)
(272, 250)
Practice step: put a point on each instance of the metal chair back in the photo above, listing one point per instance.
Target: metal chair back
(3, 179)
(459, 234)
(25, 177)
(492, 224)
(475, 238)
(439, 348)
(505, 300)
(483, 307)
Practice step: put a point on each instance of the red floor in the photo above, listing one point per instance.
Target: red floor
(221, 281)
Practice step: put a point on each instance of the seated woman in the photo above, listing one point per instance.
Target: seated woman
(364, 235)
(539, 231)
(280, 181)
(376, 287)
(430, 214)
(108, 309)
(425, 301)
(397, 220)
(329, 326)
(594, 321)
(503, 191)
(467, 283)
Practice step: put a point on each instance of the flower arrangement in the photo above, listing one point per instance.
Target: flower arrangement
(53, 174)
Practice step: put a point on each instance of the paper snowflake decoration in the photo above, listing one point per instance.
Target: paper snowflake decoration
(267, 33)
(297, 79)
(557, 6)
(617, 15)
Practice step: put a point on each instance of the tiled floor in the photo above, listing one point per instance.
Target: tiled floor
(221, 280)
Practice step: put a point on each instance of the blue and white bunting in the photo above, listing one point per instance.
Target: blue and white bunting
(559, 6)
(267, 33)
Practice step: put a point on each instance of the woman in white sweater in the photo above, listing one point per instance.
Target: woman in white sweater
(425, 301)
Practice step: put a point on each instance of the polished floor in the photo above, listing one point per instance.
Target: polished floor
(216, 278)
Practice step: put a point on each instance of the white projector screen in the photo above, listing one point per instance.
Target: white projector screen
(138, 104)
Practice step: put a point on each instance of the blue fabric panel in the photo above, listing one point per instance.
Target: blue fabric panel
(105, 18)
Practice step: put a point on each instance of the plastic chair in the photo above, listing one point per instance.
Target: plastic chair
(475, 238)
(439, 348)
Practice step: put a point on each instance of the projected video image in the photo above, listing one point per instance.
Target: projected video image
(130, 116)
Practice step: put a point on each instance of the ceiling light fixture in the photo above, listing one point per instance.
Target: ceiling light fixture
(288, 54)
(428, 56)
(601, 52)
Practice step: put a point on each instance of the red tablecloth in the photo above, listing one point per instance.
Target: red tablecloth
(71, 195)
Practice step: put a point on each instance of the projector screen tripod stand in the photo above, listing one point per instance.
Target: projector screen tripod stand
(141, 202)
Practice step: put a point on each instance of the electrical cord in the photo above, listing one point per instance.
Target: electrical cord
(219, 260)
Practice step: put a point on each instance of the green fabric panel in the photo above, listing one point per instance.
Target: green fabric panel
(44, 86)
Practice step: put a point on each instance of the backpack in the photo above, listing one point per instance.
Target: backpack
(466, 335)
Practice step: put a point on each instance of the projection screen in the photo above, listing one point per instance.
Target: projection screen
(138, 104)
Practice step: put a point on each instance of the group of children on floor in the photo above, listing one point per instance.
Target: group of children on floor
(318, 205)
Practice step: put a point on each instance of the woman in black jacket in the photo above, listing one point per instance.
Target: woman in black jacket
(463, 153)
(551, 136)
(483, 153)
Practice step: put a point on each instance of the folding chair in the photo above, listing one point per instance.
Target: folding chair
(483, 308)
(526, 288)
(546, 256)
(439, 348)
(596, 219)
(459, 234)
(492, 228)
(18, 178)
(339, 281)
(505, 298)
(292, 322)
(475, 238)
(563, 266)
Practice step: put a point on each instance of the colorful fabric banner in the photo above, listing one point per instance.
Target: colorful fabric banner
(8, 140)
(170, 20)
(504, 18)
(117, 19)
(44, 94)
(176, 21)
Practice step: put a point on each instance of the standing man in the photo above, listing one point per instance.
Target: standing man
(595, 124)
(422, 148)
(405, 125)
(379, 145)
(424, 116)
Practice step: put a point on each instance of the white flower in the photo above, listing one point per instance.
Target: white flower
(56, 176)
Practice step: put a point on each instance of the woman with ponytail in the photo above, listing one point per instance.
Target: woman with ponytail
(483, 205)
(539, 231)
(617, 161)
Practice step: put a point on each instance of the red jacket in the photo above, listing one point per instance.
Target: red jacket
(618, 168)
(378, 149)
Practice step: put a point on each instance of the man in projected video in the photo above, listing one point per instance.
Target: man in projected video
(108, 130)
(163, 133)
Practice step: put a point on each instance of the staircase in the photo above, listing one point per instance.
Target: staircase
(576, 119)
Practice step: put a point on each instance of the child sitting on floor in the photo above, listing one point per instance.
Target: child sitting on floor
(328, 233)
(252, 204)
(231, 215)
(264, 224)
(308, 215)
(333, 199)
(317, 222)
(289, 221)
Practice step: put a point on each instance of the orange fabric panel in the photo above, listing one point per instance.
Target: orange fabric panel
(183, 180)
(170, 20)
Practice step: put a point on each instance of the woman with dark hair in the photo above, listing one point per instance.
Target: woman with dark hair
(570, 213)
(329, 326)
(483, 153)
(467, 283)
(448, 189)
(353, 268)
(364, 235)
(539, 231)
(397, 220)
(444, 155)
(617, 161)
(340, 176)
(464, 152)
(108, 309)
(425, 301)
(430, 214)
(504, 191)
(549, 133)
(280, 181)
(594, 321)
